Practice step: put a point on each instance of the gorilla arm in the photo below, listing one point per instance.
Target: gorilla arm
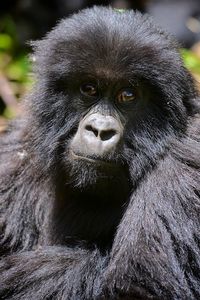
(57, 272)
(157, 240)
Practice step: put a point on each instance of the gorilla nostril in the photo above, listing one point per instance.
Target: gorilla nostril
(103, 135)
(90, 128)
(107, 134)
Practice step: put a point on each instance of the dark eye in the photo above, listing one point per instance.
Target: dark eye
(88, 89)
(126, 95)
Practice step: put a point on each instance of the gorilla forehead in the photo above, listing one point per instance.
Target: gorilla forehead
(109, 29)
(101, 40)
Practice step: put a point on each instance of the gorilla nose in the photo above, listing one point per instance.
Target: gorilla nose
(101, 133)
(97, 135)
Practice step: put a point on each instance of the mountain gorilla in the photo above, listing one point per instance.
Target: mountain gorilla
(99, 180)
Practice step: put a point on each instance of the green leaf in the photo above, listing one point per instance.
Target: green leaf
(18, 69)
(5, 42)
(8, 113)
(191, 60)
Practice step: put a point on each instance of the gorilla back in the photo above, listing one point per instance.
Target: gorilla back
(99, 179)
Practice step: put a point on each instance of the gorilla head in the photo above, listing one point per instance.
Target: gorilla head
(109, 99)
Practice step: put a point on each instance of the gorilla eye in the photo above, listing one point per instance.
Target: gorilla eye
(88, 89)
(126, 96)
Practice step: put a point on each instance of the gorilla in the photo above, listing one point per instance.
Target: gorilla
(99, 178)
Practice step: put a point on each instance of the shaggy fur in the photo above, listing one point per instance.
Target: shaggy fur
(72, 230)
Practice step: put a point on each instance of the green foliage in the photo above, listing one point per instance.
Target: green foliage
(5, 42)
(14, 63)
(18, 69)
(8, 113)
(191, 60)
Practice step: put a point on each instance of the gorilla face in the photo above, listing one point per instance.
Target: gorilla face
(112, 102)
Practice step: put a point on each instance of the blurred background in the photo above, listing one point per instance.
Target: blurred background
(25, 20)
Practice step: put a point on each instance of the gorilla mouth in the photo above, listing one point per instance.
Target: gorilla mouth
(90, 159)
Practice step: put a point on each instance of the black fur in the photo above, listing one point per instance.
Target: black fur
(72, 231)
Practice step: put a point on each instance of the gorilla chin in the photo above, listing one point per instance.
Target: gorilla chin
(96, 173)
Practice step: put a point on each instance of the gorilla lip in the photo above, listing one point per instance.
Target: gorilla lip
(89, 159)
